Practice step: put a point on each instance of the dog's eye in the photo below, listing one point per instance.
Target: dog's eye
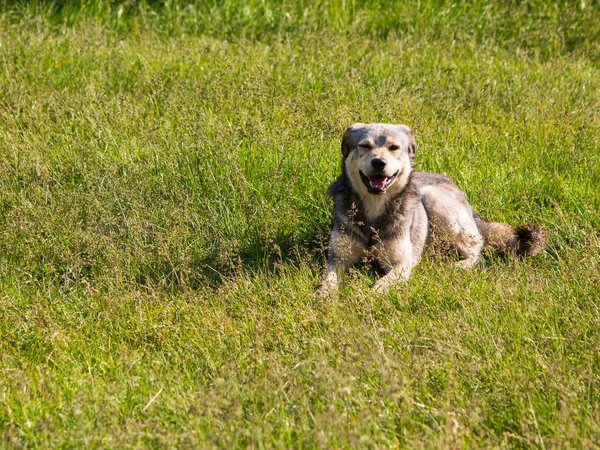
(364, 146)
(394, 147)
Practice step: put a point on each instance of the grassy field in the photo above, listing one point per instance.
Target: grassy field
(163, 178)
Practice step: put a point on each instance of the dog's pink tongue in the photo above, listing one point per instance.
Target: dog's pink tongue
(377, 181)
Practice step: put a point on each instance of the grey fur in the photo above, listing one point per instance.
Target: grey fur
(385, 210)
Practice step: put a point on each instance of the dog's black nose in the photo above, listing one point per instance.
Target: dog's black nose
(378, 164)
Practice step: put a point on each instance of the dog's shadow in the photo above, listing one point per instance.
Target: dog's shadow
(260, 254)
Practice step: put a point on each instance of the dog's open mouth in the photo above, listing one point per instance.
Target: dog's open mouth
(377, 184)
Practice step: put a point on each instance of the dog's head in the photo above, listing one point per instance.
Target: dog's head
(378, 157)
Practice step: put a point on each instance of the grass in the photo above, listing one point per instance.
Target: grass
(164, 212)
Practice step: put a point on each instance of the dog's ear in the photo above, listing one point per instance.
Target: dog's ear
(349, 138)
(412, 146)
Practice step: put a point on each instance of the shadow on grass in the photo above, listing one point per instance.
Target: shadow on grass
(260, 255)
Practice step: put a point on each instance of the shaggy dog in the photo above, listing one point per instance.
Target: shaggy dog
(385, 210)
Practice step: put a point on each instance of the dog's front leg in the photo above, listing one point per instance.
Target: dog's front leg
(397, 261)
(343, 253)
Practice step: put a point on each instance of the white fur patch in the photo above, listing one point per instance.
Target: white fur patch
(375, 205)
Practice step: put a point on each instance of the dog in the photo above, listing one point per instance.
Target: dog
(385, 210)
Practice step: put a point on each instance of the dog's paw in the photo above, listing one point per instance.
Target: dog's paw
(381, 286)
(325, 292)
(467, 264)
(329, 286)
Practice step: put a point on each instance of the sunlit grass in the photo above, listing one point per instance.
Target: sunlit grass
(163, 217)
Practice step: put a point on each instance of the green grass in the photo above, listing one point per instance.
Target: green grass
(163, 178)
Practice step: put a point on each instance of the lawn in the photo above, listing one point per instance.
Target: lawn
(164, 216)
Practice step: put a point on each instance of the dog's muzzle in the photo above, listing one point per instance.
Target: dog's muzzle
(377, 184)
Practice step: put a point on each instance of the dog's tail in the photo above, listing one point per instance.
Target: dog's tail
(524, 240)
